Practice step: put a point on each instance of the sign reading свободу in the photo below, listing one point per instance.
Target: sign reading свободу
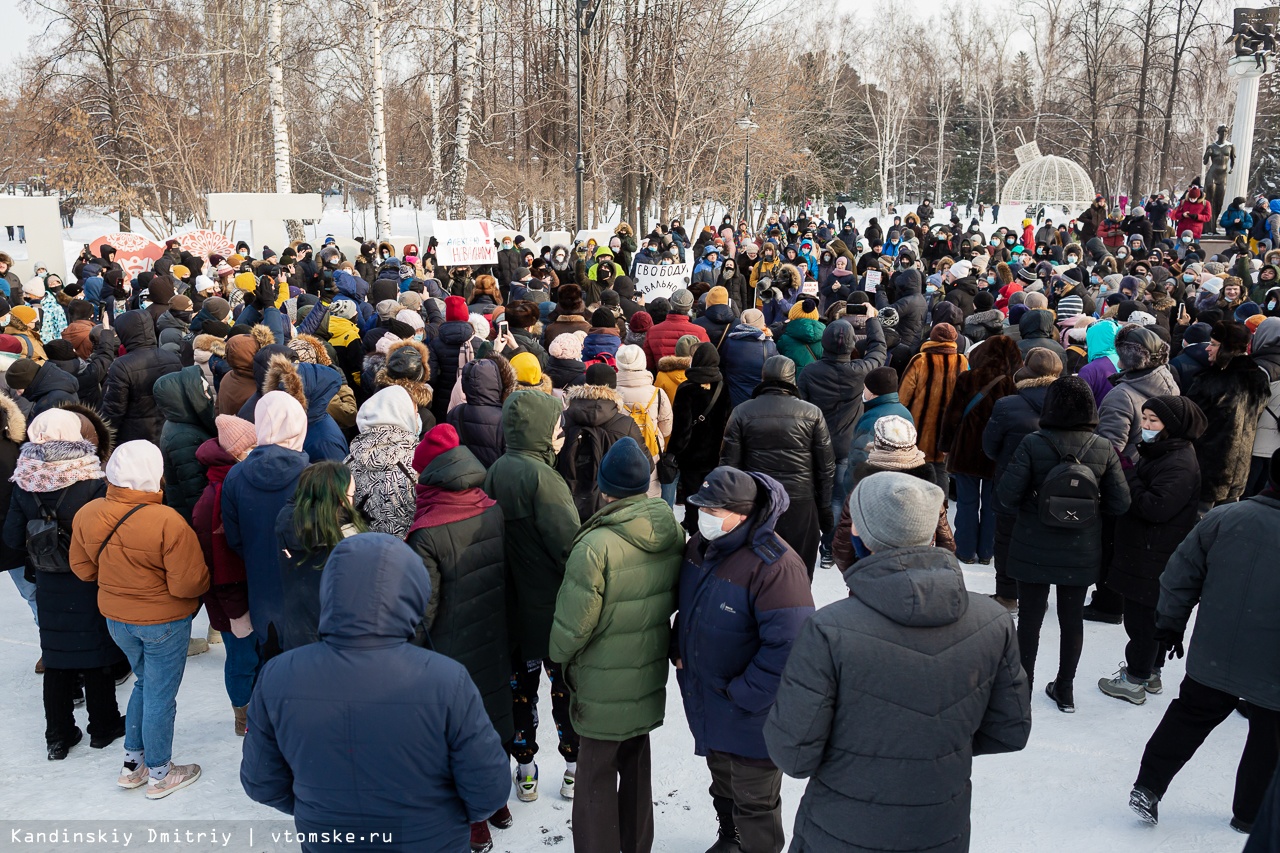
(654, 280)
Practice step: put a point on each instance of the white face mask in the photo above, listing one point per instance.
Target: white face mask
(711, 527)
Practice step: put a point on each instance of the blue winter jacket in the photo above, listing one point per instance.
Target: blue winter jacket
(253, 494)
(332, 722)
(864, 431)
(742, 360)
(743, 599)
(1236, 221)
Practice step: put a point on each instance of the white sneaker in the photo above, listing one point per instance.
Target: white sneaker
(135, 778)
(566, 785)
(179, 776)
(526, 786)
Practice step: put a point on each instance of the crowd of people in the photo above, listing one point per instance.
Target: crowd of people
(404, 493)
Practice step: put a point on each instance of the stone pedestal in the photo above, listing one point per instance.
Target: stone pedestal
(1247, 73)
(39, 215)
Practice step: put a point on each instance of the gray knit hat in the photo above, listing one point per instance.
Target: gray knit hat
(895, 510)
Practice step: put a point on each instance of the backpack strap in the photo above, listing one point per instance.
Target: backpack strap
(723, 335)
(122, 520)
(980, 395)
(715, 395)
(45, 512)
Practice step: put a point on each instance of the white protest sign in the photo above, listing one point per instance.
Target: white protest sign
(464, 242)
(873, 281)
(809, 288)
(654, 280)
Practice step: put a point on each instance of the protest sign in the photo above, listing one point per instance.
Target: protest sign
(464, 242)
(873, 281)
(654, 280)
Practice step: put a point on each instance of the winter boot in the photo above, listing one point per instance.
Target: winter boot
(1144, 804)
(828, 561)
(197, 646)
(481, 840)
(526, 782)
(1063, 695)
(242, 719)
(502, 818)
(58, 749)
(1154, 685)
(1121, 686)
(214, 636)
(1093, 614)
(1010, 604)
(727, 840)
(40, 665)
(1241, 826)
(102, 741)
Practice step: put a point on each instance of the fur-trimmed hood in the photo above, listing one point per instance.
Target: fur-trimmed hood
(313, 344)
(15, 423)
(788, 276)
(92, 418)
(669, 363)
(594, 392)
(282, 375)
(419, 392)
(211, 344)
(263, 335)
(1036, 382)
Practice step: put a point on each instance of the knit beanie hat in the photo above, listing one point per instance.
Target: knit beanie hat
(1181, 416)
(681, 302)
(21, 374)
(624, 471)
(943, 333)
(217, 307)
(630, 357)
(33, 288)
(138, 465)
(602, 375)
(602, 318)
(1036, 301)
(343, 309)
(686, 345)
(640, 323)
(236, 436)
(717, 295)
(567, 346)
(25, 313)
(894, 445)
(528, 370)
(438, 439)
(455, 309)
(894, 510)
(984, 301)
(882, 380)
(411, 300)
(60, 349)
(412, 319)
(753, 317)
(805, 309)
(1070, 306)
(386, 309)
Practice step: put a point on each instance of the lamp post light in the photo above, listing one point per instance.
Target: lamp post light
(585, 15)
(748, 126)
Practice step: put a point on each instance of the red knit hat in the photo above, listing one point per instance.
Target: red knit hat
(8, 343)
(640, 322)
(455, 308)
(437, 440)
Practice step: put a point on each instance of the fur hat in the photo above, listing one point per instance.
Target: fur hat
(569, 300)
(1138, 348)
(1232, 337)
(1069, 404)
(943, 333)
(522, 314)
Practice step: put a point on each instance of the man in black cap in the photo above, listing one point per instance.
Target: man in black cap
(744, 595)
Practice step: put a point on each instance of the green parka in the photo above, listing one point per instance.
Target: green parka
(186, 404)
(612, 621)
(540, 517)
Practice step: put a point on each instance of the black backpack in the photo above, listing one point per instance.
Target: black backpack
(48, 544)
(1069, 496)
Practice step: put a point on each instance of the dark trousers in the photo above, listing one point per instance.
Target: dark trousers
(1105, 599)
(1197, 711)
(524, 697)
(1257, 476)
(613, 796)
(798, 527)
(1142, 653)
(60, 688)
(1006, 587)
(975, 518)
(1033, 602)
(752, 796)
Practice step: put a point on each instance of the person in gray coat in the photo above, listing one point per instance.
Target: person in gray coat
(1226, 565)
(888, 694)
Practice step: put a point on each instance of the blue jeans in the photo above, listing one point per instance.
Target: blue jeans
(975, 517)
(838, 496)
(241, 667)
(27, 590)
(158, 655)
(669, 493)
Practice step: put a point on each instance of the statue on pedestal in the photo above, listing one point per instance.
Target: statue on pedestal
(1220, 157)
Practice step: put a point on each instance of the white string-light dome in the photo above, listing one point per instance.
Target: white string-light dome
(1043, 179)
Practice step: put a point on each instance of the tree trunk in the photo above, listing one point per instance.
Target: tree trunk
(381, 183)
(279, 118)
(462, 131)
(1136, 188)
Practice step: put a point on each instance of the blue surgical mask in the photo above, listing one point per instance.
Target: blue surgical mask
(932, 288)
(1150, 434)
(710, 526)
(1188, 278)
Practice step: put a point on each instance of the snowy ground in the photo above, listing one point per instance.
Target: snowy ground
(1067, 791)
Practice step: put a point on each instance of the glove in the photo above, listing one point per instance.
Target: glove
(826, 518)
(1172, 639)
(242, 626)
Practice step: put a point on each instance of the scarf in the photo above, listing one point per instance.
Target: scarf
(889, 459)
(437, 506)
(55, 465)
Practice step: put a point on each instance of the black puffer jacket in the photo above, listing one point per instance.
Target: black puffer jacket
(51, 386)
(1036, 330)
(188, 411)
(127, 403)
(777, 433)
(467, 617)
(1012, 419)
(594, 420)
(962, 293)
(1164, 490)
(889, 761)
(833, 383)
(717, 322)
(1068, 556)
(73, 634)
(444, 363)
(487, 382)
(90, 374)
(905, 289)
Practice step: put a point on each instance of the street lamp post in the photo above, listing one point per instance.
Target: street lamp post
(747, 126)
(586, 14)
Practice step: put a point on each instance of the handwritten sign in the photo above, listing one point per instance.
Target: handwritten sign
(465, 242)
(655, 280)
(873, 280)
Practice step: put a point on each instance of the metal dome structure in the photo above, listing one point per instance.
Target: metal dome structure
(1041, 179)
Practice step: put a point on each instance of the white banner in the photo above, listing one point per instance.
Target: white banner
(464, 242)
(654, 280)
